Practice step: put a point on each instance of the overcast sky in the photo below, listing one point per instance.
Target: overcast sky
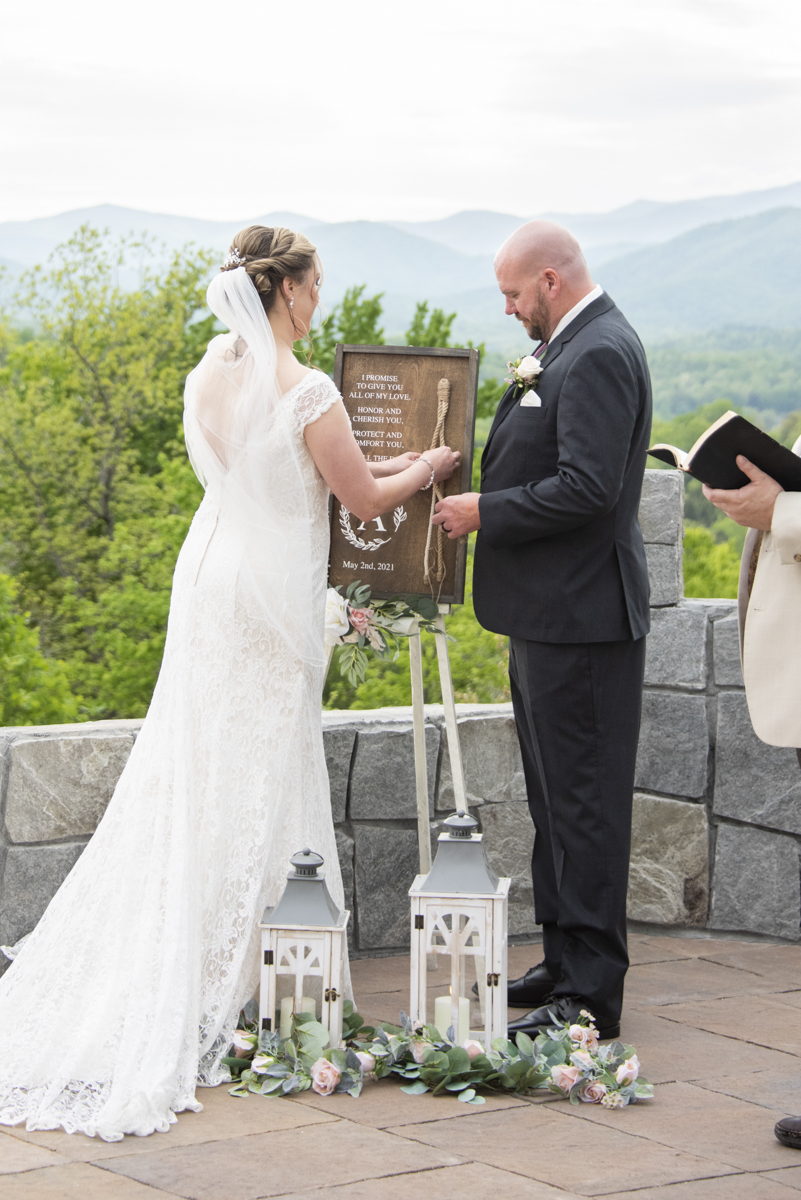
(347, 109)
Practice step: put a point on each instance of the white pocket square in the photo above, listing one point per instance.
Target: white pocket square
(530, 400)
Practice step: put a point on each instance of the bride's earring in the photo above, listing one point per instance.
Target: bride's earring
(292, 302)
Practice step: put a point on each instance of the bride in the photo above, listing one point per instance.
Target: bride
(125, 995)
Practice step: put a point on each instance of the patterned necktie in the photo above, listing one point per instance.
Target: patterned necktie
(538, 353)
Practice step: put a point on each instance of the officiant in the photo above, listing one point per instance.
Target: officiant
(560, 568)
(769, 603)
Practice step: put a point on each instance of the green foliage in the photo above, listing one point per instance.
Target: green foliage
(489, 396)
(94, 506)
(353, 322)
(427, 1061)
(755, 368)
(33, 690)
(435, 331)
(479, 665)
(711, 569)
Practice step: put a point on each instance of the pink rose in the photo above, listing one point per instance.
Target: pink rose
(360, 618)
(565, 1077)
(418, 1048)
(593, 1093)
(582, 1059)
(473, 1048)
(628, 1071)
(325, 1077)
(586, 1037)
(367, 1061)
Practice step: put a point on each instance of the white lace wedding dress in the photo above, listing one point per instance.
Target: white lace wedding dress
(126, 993)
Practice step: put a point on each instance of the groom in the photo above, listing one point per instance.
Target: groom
(560, 567)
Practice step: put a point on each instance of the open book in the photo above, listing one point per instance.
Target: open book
(713, 458)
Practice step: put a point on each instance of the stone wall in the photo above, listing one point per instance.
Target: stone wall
(717, 814)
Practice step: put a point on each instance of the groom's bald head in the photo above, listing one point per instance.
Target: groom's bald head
(542, 272)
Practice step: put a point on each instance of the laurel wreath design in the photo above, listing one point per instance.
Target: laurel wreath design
(399, 516)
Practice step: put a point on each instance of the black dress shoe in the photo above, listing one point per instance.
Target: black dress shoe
(532, 988)
(788, 1131)
(560, 1010)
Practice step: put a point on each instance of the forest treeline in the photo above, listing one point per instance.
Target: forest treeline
(96, 492)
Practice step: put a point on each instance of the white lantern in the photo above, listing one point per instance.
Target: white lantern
(459, 939)
(302, 952)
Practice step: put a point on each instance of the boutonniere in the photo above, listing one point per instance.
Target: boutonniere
(525, 373)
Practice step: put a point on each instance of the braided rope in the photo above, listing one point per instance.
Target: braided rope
(437, 571)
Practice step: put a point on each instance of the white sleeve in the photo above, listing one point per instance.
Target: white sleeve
(786, 527)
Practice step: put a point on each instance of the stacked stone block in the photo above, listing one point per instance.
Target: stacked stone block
(716, 820)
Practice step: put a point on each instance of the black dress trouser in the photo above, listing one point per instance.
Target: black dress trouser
(577, 708)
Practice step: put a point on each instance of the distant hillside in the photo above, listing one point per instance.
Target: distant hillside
(740, 271)
(647, 222)
(744, 272)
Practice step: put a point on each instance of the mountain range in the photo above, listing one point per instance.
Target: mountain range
(673, 268)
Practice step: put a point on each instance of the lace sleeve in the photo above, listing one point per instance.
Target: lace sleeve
(313, 397)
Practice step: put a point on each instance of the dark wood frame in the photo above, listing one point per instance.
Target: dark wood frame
(457, 596)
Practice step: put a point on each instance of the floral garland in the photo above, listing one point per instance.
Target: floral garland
(357, 623)
(567, 1061)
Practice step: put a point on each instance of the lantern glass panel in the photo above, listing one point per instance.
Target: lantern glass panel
(457, 956)
(299, 968)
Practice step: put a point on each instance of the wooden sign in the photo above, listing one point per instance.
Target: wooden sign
(393, 395)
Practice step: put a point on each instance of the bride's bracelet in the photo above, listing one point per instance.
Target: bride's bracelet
(426, 486)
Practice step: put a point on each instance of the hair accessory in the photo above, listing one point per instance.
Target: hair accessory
(423, 458)
(234, 259)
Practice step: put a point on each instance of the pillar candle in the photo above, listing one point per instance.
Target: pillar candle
(443, 1017)
(307, 1005)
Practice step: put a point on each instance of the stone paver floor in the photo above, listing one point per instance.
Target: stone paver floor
(717, 1026)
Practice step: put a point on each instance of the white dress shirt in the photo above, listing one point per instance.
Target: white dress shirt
(576, 309)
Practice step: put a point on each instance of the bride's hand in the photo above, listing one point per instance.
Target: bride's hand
(393, 466)
(444, 461)
(401, 462)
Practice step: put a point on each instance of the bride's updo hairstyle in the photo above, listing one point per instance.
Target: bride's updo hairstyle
(271, 255)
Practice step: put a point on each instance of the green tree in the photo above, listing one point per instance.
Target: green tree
(433, 330)
(33, 690)
(89, 426)
(353, 322)
(711, 569)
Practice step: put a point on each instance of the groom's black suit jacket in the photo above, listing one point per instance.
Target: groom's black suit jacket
(560, 556)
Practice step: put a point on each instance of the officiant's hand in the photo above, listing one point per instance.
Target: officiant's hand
(458, 514)
(751, 505)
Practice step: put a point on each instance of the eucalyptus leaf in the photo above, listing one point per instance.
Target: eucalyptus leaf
(415, 1089)
(468, 1094)
(525, 1045)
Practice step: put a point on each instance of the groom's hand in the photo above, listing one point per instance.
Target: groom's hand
(458, 514)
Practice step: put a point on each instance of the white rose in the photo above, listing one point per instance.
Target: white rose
(529, 368)
(336, 617)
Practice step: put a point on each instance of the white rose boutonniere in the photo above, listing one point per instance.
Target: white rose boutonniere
(525, 373)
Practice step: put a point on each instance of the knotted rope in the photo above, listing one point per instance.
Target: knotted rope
(437, 570)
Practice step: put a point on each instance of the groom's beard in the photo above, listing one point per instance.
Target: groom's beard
(537, 324)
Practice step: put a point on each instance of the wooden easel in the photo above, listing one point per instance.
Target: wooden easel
(419, 725)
